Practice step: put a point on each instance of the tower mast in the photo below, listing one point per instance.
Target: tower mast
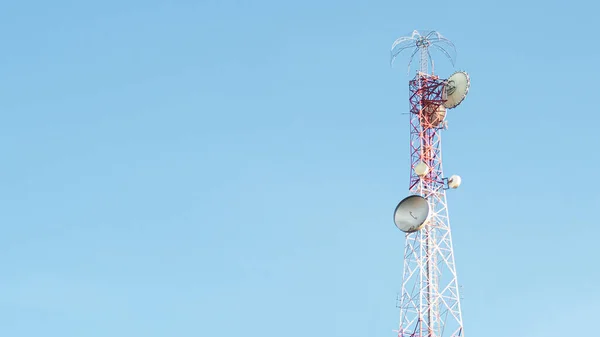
(429, 300)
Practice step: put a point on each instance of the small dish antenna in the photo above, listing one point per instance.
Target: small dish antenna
(454, 181)
(412, 213)
(456, 89)
(421, 169)
(432, 116)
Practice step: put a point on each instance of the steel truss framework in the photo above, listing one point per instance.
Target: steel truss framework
(429, 301)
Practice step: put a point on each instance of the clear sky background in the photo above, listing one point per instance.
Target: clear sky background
(230, 168)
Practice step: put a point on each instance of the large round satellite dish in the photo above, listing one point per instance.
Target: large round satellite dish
(456, 89)
(411, 213)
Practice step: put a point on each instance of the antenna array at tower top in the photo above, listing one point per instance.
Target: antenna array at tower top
(422, 42)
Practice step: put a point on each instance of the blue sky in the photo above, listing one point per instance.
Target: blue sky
(219, 168)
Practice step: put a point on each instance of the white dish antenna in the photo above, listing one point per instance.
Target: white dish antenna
(454, 181)
(456, 89)
(421, 169)
(412, 213)
(432, 116)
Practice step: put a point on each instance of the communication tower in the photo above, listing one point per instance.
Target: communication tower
(429, 301)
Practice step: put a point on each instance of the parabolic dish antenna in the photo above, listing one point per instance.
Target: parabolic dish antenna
(456, 89)
(432, 116)
(412, 213)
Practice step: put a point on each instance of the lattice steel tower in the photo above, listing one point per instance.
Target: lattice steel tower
(429, 301)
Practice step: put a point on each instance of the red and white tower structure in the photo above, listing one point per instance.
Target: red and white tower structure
(429, 301)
